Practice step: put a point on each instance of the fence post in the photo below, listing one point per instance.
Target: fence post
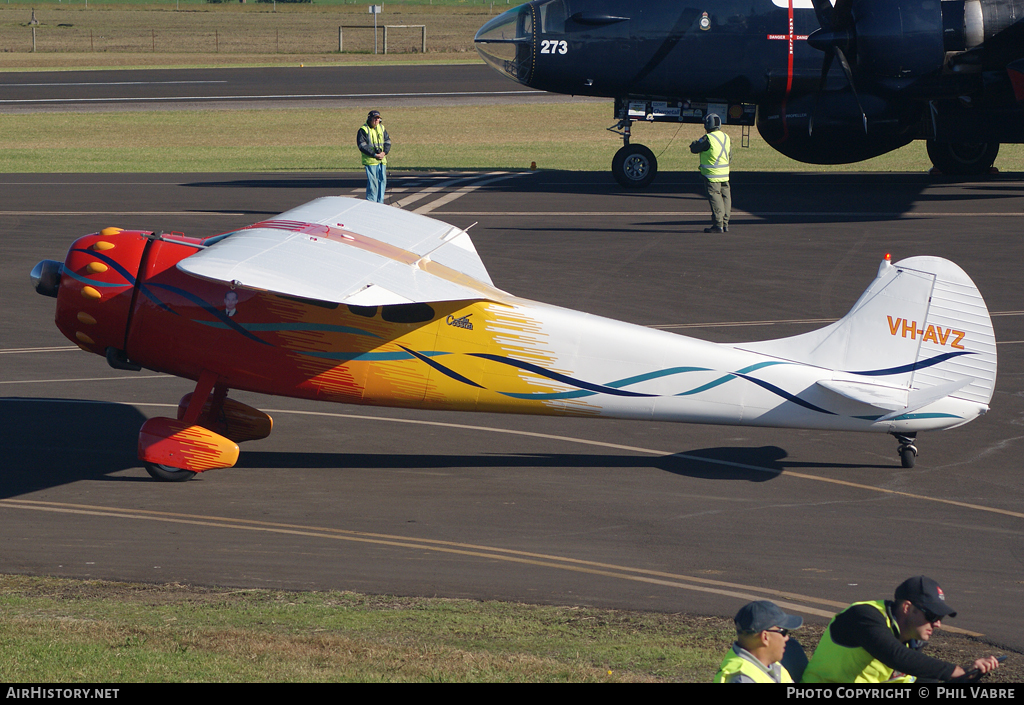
(33, 40)
(423, 39)
(385, 39)
(339, 40)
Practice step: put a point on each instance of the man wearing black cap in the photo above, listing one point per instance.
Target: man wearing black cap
(762, 630)
(879, 641)
(374, 144)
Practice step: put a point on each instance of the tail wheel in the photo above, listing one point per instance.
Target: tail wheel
(634, 166)
(165, 473)
(963, 158)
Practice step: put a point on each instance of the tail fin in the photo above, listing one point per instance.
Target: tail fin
(921, 325)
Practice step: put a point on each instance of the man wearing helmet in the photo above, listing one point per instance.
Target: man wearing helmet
(715, 149)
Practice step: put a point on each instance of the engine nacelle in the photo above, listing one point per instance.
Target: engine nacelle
(97, 284)
(837, 135)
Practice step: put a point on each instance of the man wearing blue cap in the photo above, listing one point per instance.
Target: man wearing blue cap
(762, 630)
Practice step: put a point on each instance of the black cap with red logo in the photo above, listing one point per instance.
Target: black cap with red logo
(926, 595)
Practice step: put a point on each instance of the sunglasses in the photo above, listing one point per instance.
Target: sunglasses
(928, 614)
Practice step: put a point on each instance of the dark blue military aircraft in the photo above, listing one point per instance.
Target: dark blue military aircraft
(825, 82)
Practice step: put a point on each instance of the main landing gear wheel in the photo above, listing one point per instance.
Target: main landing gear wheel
(907, 450)
(165, 473)
(634, 166)
(962, 158)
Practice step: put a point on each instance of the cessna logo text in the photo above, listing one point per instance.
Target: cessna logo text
(935, 334)
(460, 322)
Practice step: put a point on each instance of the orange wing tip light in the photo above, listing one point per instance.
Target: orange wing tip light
(91, 293)
(107, 232)
(174, 443)
(103, 245)
(886, 264)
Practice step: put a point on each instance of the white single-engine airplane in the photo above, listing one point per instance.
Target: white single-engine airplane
(349, 301)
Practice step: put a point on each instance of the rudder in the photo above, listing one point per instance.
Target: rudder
(921, 324)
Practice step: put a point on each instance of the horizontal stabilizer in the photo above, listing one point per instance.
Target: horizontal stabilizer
(344, 250)
(888, 398)
(920, 398)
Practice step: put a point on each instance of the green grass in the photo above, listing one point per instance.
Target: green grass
(556, 136)
(59, 631)
(55, 630)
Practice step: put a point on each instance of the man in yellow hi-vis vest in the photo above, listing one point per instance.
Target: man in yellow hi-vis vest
(374, 144)
(762, 630)
(878, 641)
(715, 150)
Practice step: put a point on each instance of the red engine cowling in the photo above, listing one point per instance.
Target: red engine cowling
(97, 287)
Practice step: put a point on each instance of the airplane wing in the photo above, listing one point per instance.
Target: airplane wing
(350, 251)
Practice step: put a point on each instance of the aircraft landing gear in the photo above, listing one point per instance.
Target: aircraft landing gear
(165, 473)
(962, 158)
(907, 450)
(634, 165)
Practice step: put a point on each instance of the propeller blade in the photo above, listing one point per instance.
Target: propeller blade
(823, 9)
(842, 15)
(826, 65)
(849, 77)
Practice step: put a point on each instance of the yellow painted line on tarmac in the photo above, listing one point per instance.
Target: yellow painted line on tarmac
(684, 582)
(585, 441)
(666, 454)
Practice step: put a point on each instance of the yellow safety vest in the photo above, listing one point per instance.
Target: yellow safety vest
(714, 161)
(376, 135)
(833, 663)
(733, 663)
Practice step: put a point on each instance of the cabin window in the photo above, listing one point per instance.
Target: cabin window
(407, 313)
(552, 17)
(365, 311)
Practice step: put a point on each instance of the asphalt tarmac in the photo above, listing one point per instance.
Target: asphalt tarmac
(281, 86)
(650, 516)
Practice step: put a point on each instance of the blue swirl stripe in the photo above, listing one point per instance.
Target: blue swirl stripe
(210, 309)
(919, 365)
(301, 327)
(93, 282)
(118, 267)
(442, 369)
(536, 369)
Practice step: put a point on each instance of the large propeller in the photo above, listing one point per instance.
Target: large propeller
(836, 35)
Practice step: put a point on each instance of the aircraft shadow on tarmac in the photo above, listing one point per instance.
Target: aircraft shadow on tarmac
(774, 198)
(54, 442)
